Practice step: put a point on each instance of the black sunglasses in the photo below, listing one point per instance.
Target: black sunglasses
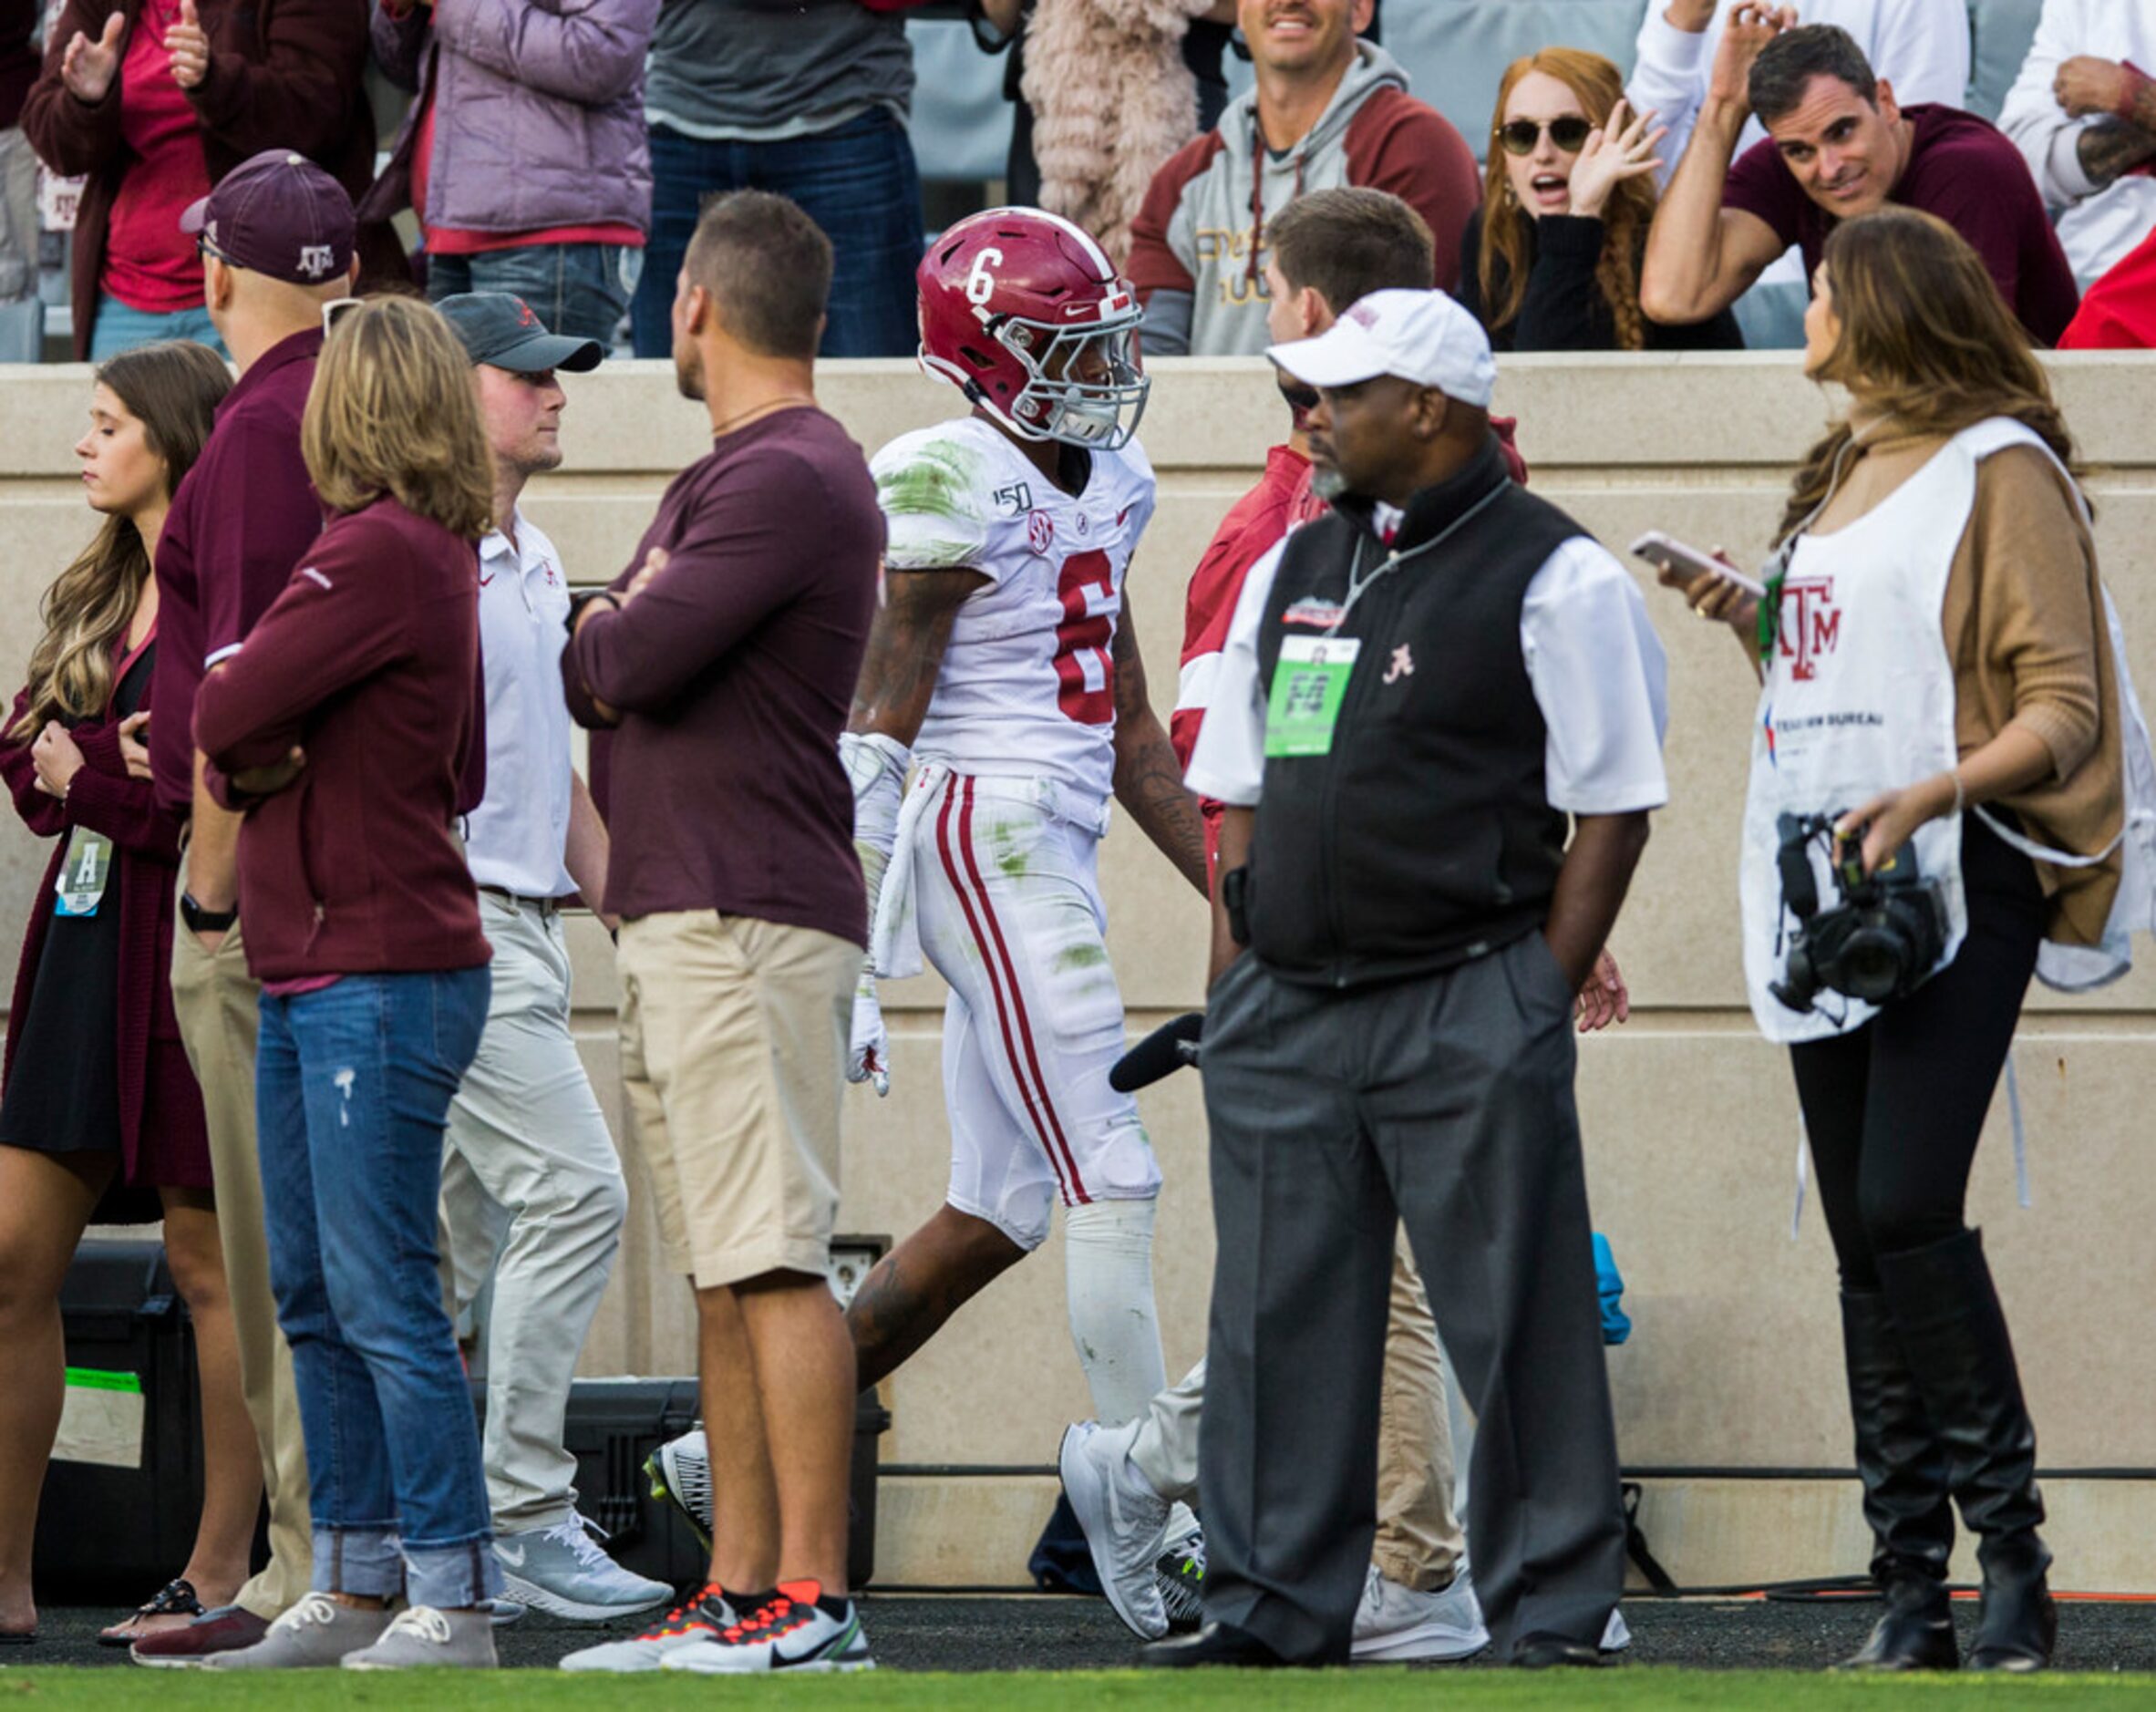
(1520, 134)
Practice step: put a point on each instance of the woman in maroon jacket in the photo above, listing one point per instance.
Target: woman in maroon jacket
(99, 1117)
(342, 727)
(154, 101)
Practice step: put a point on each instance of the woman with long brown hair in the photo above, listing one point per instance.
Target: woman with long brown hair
(1550, 261)
(342, 728)
(101, 1118)
(1940, 735)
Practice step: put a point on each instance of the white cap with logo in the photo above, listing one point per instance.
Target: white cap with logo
(1424, 337)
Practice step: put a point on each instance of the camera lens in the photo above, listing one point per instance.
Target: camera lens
(1872, 964)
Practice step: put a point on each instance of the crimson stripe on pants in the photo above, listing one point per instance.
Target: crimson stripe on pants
(998, 976)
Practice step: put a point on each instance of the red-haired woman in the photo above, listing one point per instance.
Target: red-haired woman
(1550, 261)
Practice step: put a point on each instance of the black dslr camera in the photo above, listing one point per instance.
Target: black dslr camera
(1878, 943)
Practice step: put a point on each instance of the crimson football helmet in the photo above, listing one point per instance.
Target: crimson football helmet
(1023, 313)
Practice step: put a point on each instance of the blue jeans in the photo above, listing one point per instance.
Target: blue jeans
(576, 289)
(119, 328)
(857, 181)
(352, 1087)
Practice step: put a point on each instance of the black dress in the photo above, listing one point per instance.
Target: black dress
(64, 1096)
(1564, 309)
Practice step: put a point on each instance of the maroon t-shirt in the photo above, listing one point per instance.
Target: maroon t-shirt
(733, 673)
(1965, 172)
(239, 523)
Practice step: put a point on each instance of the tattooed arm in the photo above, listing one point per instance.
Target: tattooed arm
(905, 651)
(1148, 779)
(2124, 136)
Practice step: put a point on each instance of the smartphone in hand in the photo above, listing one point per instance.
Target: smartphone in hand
(1670, 554)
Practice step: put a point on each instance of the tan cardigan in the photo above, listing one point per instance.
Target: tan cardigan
(2025, 629)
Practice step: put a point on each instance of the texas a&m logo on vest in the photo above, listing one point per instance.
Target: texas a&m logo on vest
(1810, 625)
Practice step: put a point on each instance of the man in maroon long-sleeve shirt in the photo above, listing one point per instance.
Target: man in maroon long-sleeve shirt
(277, 238)
(726, 654)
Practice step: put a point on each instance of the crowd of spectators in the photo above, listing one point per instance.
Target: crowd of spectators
(562, 154)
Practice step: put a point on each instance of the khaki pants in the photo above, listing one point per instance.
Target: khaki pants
(215, 999)
(1418, 1540)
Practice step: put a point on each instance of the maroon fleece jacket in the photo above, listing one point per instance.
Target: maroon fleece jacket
(368, 661)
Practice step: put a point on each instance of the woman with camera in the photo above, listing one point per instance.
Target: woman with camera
(1938, 682)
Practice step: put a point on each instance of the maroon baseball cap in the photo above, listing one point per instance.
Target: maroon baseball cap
(278, 214)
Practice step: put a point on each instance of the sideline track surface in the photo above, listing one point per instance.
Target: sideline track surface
(1688, 1652)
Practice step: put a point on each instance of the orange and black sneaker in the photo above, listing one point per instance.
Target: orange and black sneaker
(690, 1623)
(798, 1628)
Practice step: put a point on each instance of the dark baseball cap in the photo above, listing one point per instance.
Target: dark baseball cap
(499, 330)
(279, 215)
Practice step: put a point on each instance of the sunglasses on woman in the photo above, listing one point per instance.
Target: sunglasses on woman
(1520, 134)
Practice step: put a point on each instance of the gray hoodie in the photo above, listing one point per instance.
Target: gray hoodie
(1198, 251)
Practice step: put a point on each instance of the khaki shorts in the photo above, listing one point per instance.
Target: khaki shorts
(733, 1055)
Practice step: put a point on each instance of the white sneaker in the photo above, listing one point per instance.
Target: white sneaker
(315, 1634)
(1395, 1621)
(423, 1638)
(1125, 1520)
(689, 1623)
(792, 1632)
(561, 1570)
(680, 1472)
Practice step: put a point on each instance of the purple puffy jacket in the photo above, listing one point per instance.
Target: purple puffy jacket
(539, 112)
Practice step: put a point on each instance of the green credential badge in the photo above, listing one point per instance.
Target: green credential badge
(1308, 686)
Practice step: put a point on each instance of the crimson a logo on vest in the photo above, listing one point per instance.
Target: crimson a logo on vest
(1810, 625)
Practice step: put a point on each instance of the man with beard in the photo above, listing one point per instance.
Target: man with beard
(1388, 1032)
(722, 657)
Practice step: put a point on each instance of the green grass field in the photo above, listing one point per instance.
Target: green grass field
(1363, 1690)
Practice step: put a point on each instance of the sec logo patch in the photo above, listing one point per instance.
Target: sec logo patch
(1040, 532)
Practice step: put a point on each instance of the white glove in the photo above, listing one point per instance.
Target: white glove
(876, 767)
(868, 1053)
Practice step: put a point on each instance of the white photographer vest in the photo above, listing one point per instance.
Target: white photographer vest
(1859, 698)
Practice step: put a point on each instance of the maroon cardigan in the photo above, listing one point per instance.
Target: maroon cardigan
(283, 74)
(164, 1139)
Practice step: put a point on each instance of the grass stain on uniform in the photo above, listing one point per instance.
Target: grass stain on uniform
(943, 481)
(1082, 957)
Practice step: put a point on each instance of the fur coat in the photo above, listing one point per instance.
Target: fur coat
(1112, 100)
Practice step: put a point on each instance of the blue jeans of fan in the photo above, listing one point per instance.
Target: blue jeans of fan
(353, 1084)
(857, 181)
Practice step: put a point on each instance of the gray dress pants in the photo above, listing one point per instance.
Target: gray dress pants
(1444, 1102)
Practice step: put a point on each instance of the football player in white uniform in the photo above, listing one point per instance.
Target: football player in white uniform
(1002, 703)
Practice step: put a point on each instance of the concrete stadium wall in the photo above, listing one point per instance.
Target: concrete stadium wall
(1730, 1395)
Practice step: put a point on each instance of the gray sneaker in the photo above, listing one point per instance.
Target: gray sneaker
(314, 1635)
(561, 1571)
(425, 1639)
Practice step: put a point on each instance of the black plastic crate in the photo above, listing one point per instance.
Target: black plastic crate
(109, 1534)
(614, 1424)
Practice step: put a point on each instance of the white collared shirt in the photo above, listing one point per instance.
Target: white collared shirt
(517, 836)
(1597, 666)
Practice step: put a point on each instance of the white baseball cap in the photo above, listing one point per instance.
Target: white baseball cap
(1421, 336)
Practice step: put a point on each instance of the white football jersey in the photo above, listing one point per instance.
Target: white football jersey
(1027, 685)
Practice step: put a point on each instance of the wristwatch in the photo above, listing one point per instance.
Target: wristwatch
(201, 921)
(577, 603)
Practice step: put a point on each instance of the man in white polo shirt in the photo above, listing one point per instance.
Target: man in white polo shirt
(530, 1181)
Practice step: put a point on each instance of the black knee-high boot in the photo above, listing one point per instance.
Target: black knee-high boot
(1903, 1468)
(1954, 1335)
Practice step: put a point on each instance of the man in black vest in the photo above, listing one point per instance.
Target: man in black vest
(1423, 694)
